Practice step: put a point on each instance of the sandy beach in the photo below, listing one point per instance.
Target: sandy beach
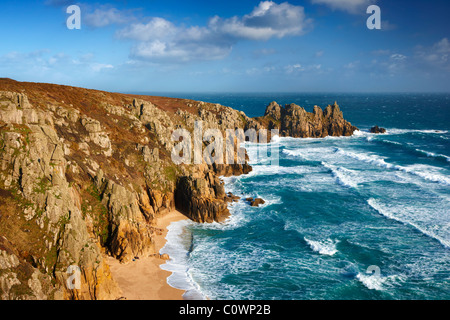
(143, 279)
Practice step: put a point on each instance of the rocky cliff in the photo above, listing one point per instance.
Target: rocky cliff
(85, 174)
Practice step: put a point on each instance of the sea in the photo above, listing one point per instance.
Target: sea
(360, 217)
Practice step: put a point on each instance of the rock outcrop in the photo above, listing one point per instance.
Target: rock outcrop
(201, 196)
(255, 202)
(294, 121)
(377, 129)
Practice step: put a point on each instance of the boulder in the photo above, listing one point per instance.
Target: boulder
(255, 202)
(377, 129)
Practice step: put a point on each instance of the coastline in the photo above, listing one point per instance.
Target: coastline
(143, 279)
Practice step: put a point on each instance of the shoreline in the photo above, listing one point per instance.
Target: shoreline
(143, 279)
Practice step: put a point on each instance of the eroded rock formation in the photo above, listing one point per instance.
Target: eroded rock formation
(294, 121)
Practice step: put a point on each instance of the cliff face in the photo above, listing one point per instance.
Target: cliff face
(85, 173)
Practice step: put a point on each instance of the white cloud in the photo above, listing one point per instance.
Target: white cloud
(442, 46)
(97, 67)
(156, 28)
(293, 68)
(173, 51)
(267, 20)
(260, 71)
(351, 6)
(398, 57)
(43, 61)
(102, 17)
(297, 68)
(159, 39)
(438, 55)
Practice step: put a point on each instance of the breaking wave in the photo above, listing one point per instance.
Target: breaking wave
(405, 217)
(429, 174)
(325, 247)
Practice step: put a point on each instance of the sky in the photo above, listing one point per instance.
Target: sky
(229, 46)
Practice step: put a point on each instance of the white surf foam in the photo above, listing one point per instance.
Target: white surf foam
(368, 158)
(294, 153)
(325, 247)
(342, 175)
(266, 170)
(426, 172)
(392, 142)
(366, 134)
(378, 282)
(429, 173)
(177, 247)
(434, 155)
(403, 131)
(433, 226)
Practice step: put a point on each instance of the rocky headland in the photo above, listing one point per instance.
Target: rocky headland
(85, 174)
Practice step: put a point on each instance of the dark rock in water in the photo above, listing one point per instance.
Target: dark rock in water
(255, 202)
(377, 129)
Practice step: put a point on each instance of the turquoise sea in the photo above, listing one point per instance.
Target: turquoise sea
(361, 217)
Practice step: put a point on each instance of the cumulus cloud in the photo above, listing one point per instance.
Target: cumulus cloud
(266, 21)
(351, 6)
(160, 39)
(156, 28)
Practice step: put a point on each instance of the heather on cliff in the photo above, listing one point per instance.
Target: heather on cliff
(85, 173)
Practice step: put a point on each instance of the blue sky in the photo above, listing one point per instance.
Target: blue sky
(229, 46)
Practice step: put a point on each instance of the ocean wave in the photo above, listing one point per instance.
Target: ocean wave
(367, 158)
(378, 282)
(177, 247)
(434, 155)
(366, 134)
(429, 173)
(407, 218)
(410, 147)
(293, 153)
(261, 170)
(310, 154)
(236, 219)
(325, 247)
(403, 131)
(342, 175)
(391, 142)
